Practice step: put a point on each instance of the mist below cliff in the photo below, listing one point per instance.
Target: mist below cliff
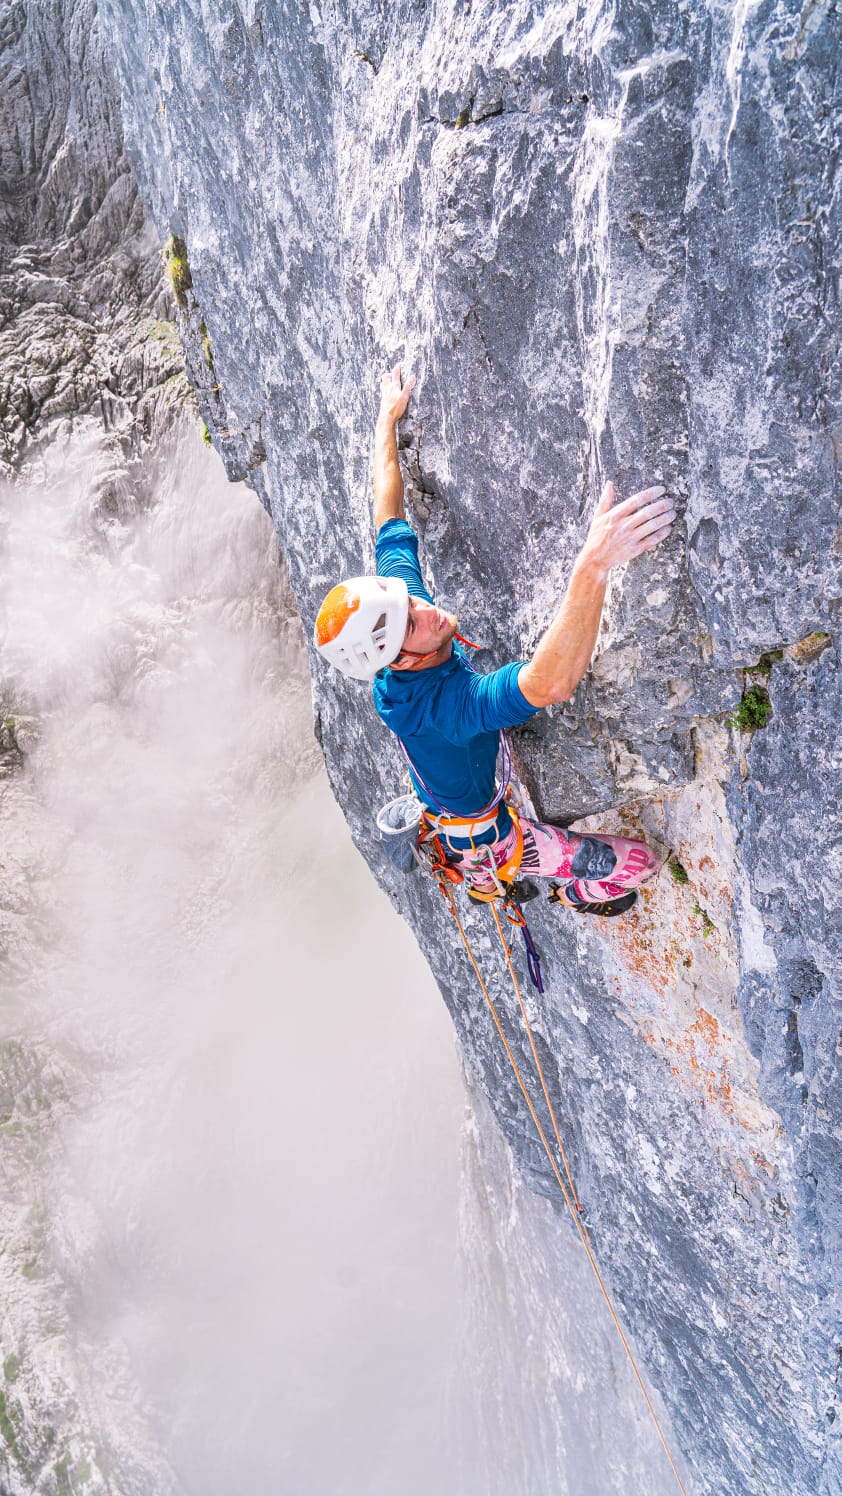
(246, 1176)
(254, 1225)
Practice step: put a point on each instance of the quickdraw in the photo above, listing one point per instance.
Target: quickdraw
(440, 867)
(514, 914)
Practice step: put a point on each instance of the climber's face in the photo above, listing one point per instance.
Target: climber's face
(428, 638)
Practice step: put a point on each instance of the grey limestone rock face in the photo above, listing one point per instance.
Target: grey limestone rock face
(603, 236)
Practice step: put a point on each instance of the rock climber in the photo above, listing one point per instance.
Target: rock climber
(448, 717)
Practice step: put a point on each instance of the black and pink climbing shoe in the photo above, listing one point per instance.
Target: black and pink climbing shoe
(570, 899)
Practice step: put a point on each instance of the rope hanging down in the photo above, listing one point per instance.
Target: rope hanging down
(538, 1066)
(568, 1189)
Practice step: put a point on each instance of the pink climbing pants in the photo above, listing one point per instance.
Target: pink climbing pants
(599, 867)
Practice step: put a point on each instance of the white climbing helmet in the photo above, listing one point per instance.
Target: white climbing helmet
(361, 625)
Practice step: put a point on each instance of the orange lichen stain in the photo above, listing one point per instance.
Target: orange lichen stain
(699, 1060)
(705, 862)
(708, 1026)
(656, 951)
(763, 1163)
(742, 1177)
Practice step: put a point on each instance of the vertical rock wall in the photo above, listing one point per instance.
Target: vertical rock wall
(604, 237)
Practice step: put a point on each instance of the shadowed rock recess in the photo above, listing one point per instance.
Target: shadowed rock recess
(603, 235)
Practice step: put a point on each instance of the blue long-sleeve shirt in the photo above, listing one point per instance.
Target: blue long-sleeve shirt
(448, 716)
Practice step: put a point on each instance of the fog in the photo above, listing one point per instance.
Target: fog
(256, 1234)
(255, 1192)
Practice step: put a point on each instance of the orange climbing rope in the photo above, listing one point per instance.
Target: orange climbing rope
(538, 1066)
(569, 1193)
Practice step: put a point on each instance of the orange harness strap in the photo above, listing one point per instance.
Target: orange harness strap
(508, 870)
(506, 873)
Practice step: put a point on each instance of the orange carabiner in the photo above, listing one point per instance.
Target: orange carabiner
(441, 867)
(513, 914)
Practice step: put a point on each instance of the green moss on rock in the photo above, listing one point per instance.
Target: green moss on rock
(8, 1431)
(754, 710)
(177, 268)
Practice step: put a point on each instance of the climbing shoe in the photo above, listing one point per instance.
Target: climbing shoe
(606, 910)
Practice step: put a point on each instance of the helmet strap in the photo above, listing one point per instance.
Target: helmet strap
(414, 655)
(431, 654)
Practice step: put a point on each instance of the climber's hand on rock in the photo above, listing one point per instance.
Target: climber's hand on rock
(393, 398)
(621, 531)
(617, 533)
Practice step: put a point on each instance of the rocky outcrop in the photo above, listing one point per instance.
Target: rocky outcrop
(602, 236)
(85, 318)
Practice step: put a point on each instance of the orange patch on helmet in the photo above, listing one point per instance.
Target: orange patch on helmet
(334, 613)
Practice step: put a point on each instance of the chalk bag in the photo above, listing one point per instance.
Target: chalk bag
(398, 824)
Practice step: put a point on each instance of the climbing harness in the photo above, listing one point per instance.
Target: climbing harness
(504, 898)
(504, 875)
(435, 831)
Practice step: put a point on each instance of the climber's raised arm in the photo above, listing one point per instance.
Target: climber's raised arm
(388, 480)
(617, 533)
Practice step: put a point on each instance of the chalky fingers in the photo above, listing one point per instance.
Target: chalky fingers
(658, 517)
